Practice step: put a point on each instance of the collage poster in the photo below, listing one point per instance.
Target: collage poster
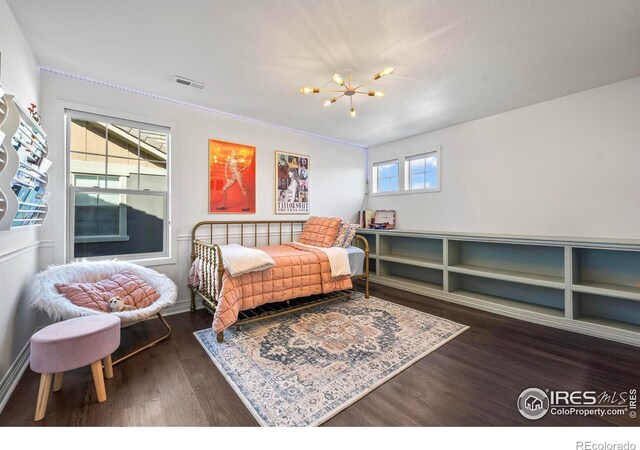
(232, 178)
(292, 183)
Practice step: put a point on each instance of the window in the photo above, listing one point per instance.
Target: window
(408, 174)
(421, 172)
(385, 176)
(118, 187)
(99, 217)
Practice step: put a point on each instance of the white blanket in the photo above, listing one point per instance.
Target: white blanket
(338, 259)
(238, 259)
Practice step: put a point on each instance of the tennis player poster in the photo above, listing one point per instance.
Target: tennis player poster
(232, 178)
(292, 183)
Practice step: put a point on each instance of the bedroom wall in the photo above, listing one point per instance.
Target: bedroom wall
(19, 73)
(565, 167)
(337, 175)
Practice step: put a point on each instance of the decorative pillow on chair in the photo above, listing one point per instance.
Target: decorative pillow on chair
(342, 231)
(128, 286)
(320, 231)
(350, 232)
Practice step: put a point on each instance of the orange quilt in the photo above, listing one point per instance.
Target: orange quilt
(299, 272)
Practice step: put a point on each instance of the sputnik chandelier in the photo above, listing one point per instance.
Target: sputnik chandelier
(348, 89)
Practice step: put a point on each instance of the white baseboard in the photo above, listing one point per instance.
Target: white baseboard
(13, 375)
(180, 307)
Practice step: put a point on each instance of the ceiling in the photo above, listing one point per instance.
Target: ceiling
(454, 60)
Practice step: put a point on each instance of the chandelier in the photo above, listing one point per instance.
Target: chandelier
(348, 89)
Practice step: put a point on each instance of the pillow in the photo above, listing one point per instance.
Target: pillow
(352, 229)
(342, 231)
(320, 231)
(128, 286)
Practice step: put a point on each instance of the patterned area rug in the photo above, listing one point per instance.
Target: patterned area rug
(303, 368)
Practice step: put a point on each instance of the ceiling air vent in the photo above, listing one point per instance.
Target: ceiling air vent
(187, 82)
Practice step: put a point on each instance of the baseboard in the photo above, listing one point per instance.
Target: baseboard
(181, 306)
(13, 375)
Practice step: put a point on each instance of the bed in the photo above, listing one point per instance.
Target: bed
(301, 277)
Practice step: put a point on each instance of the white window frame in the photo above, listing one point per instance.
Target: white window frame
(402, 177)
(148, 259)
(407, 171)
(375, 179)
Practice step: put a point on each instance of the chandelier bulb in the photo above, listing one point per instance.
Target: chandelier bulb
(326, 103)
(353, 113)
(338, 79)
(309, 90)
(387, 71)
(378, 94)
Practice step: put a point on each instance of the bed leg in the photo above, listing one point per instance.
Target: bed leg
(220, 337)
(192, 308)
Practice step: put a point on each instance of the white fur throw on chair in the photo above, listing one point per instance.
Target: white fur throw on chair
(43, 295)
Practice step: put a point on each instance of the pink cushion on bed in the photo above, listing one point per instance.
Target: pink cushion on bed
(320, 231)
(131, 288)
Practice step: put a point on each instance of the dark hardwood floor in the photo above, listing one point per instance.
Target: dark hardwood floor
(474, 380)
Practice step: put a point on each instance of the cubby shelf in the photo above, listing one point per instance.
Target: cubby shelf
(590, 286)
(510, 303)
(612, 290)
(407, 282)
(509, 275)
(413, 261)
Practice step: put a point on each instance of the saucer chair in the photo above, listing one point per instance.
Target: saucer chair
(44, 296)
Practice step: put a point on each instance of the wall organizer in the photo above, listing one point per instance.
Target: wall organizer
(23, 166)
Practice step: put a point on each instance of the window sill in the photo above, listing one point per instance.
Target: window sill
(415, 191)
(99, 239)
(141, 260)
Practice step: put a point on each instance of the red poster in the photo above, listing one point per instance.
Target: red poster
(232, 178)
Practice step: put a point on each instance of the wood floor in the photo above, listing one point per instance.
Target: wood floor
(474, 380)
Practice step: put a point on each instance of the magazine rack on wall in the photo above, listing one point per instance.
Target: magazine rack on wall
(23, 166)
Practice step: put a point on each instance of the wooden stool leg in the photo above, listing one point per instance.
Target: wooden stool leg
(98, 379)
(43, 395)
(57, 381)
(108, 367)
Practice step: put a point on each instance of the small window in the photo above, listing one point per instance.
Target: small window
(118, 193)
(421, 172)
(385, 177)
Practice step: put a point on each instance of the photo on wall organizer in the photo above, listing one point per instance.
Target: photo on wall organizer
(292, 183)
(232, 177)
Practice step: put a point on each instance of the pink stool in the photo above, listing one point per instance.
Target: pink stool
(71, 344)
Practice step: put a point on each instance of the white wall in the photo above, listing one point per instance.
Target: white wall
(337, 171)
(565, 167)
(18, 248)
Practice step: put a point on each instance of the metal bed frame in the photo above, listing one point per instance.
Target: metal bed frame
(206, 238)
